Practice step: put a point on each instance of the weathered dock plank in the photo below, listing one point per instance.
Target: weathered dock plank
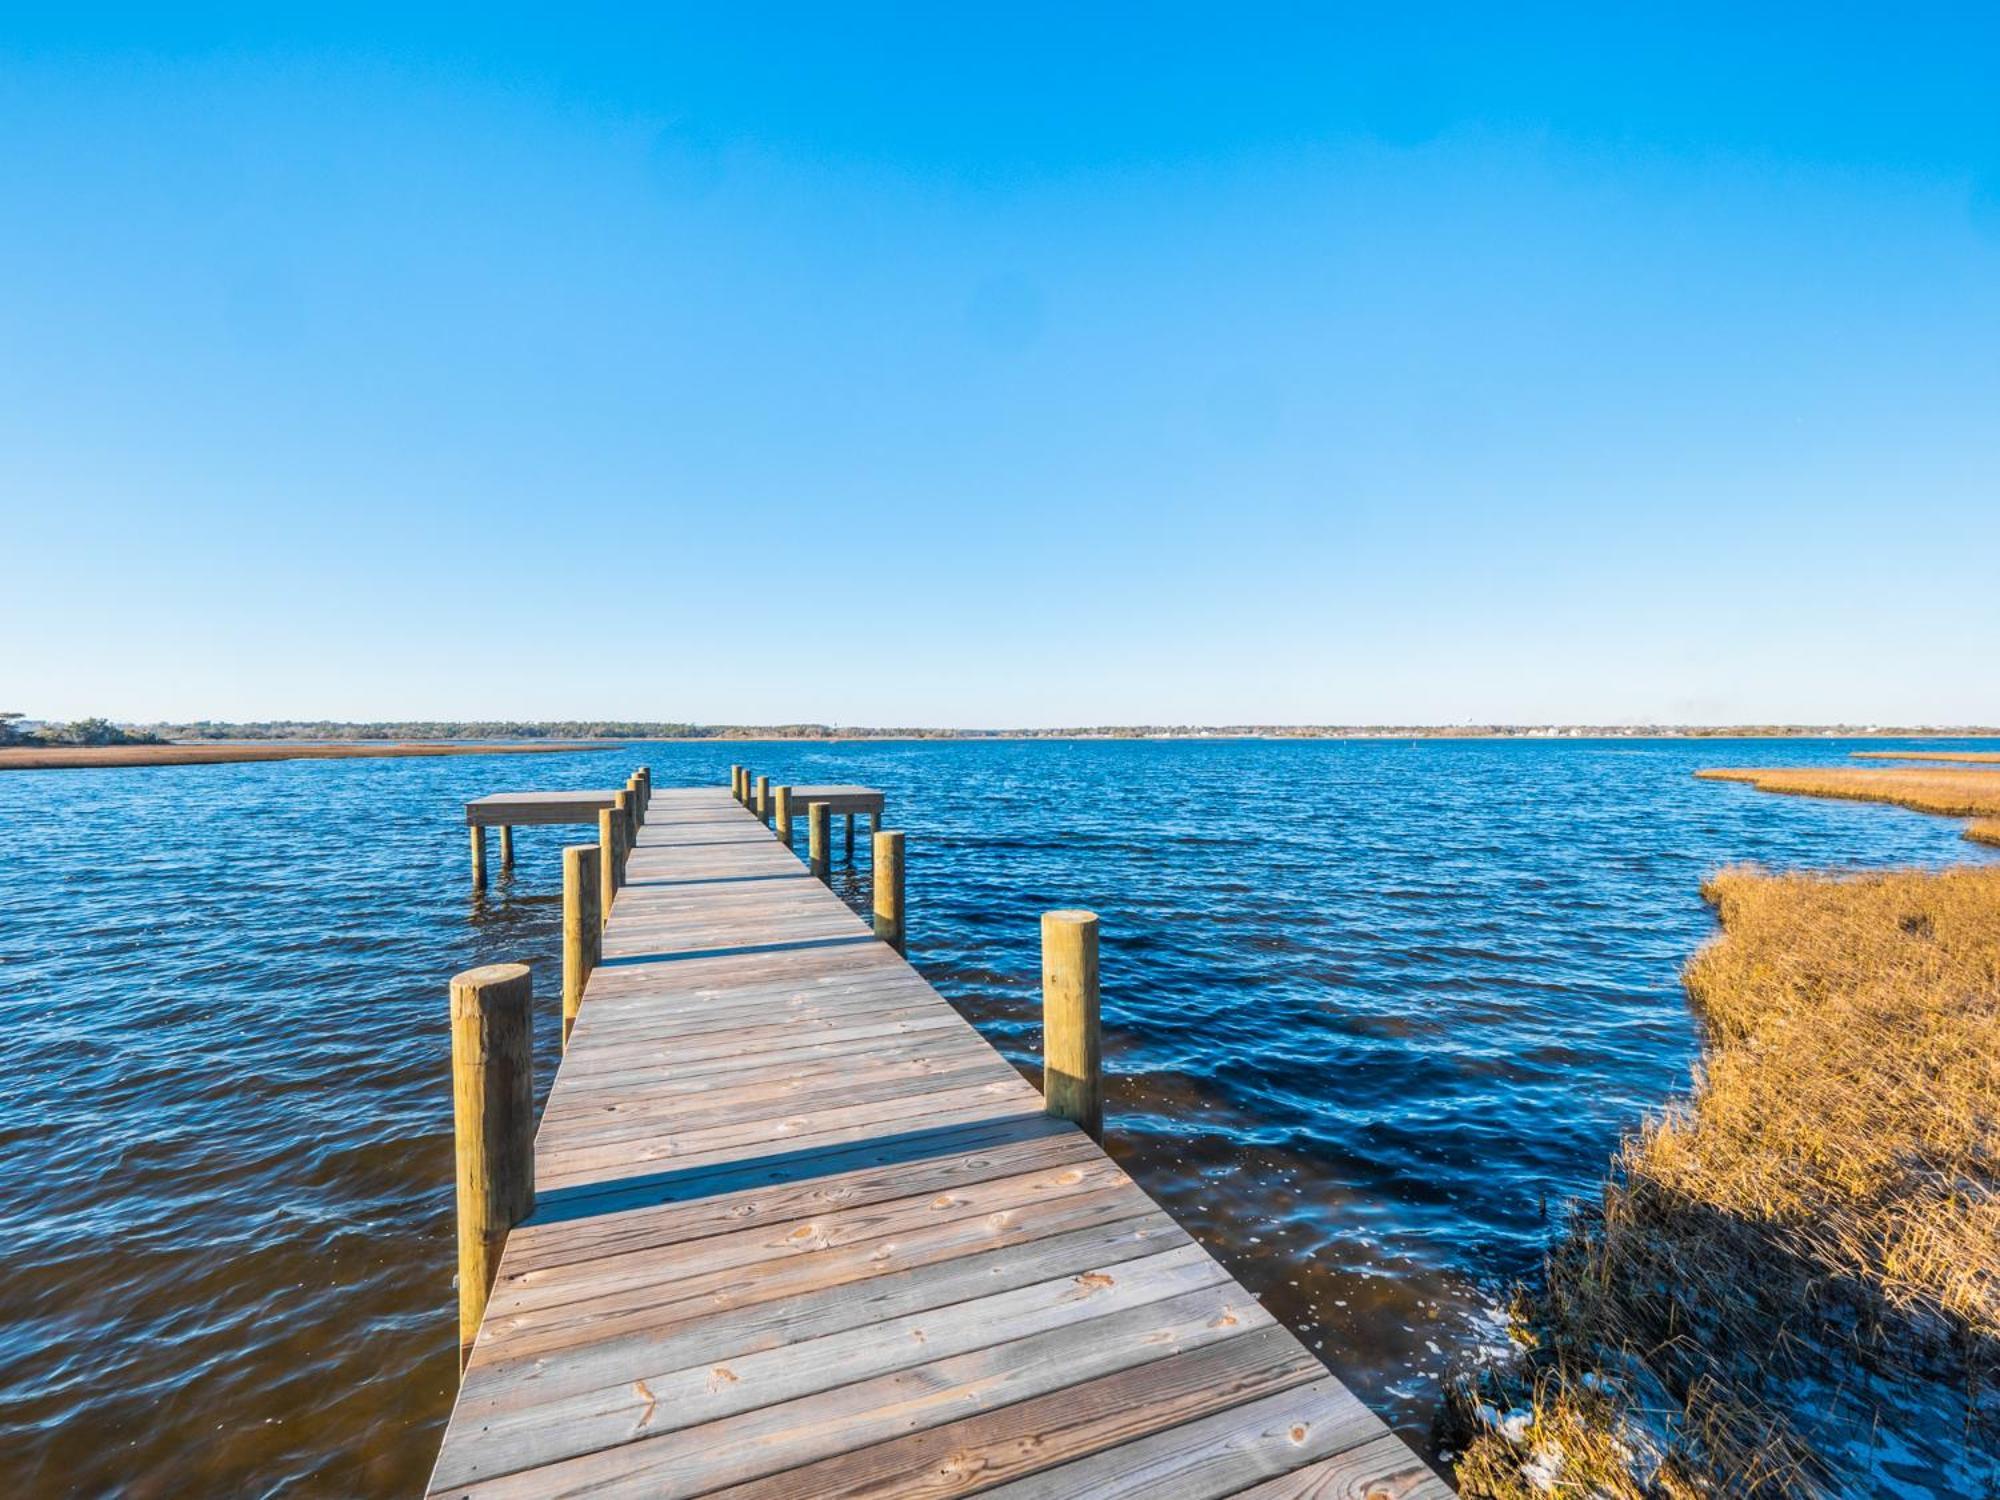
(800, 1231)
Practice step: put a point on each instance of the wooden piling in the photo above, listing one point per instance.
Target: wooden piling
(628, 834)
(506, 846)
(819, 820)
(888, 880)
(848, 853)
(493, 1116)
(479, 856)
(1072, 1066)
(763, 800)
(607, 860)
(645, 775)
(583, 928)
(782, 803)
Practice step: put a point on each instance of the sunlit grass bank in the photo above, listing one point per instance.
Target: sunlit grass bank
(1952, 793)
(73, 757)
(1970, 757)
(1791, 1285)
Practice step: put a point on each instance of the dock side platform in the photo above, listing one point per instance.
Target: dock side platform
(526, 809)
(800, 1231)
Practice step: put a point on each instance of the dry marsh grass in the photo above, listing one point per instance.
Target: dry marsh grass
(1791, 1284)
(1950, 793)
(70, 757)
(1970, 757)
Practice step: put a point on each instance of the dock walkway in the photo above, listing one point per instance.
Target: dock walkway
(800, 1231)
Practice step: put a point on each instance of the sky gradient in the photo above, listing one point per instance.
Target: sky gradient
(928, 366)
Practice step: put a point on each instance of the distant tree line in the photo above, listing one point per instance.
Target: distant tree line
(644, 729)
(77, 732)
(538, 729)
(427, 729)
(104, 732)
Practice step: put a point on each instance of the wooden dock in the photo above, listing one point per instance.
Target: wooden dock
(798, 1230)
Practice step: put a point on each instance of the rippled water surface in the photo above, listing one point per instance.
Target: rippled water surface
(1374, 1010)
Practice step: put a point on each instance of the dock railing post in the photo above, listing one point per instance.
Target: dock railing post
(763, 800)
(645, 775)
(632, 785)
(819, 820)
(622, 805)
(887, 874)
(1072, 1062)
(582, 927)
(493, 1118)
(479, 856)
(782, 802)
(607, 860)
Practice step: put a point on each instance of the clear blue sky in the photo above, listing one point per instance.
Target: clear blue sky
(1003, 364)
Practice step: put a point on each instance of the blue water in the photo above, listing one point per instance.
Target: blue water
(1374, 1010)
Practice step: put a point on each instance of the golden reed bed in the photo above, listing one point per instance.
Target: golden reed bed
(1791, 1285)
(58, 757)
(1973, 757)
(1951, 793)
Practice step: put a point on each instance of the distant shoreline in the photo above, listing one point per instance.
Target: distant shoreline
(1281, 736)
(78, 757)
(214, 749)
(642, 731)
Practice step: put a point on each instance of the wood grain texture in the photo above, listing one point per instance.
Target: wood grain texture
(799, 1231)
(627, 826)
(582, 928)
(818, 835)
(1072, 1069)
(493, 1122)
(607, 867)
(1384, 1469)
(886, 875)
